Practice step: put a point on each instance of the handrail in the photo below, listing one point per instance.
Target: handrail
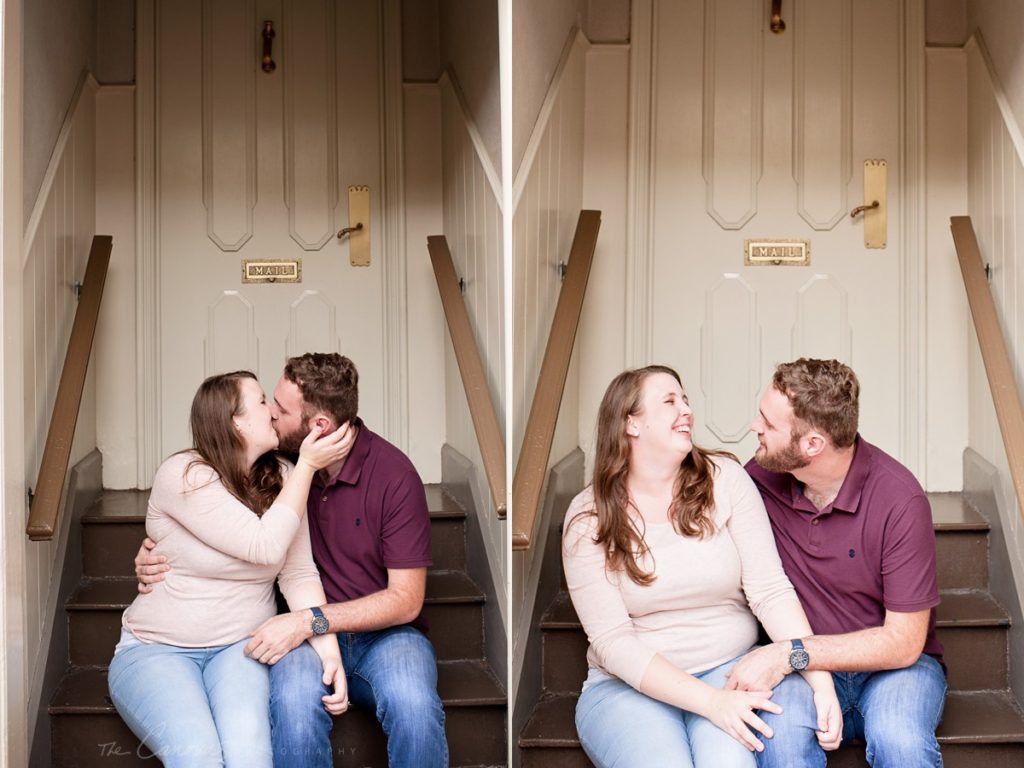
(532, 466)
(45, 506)
(999, 369)
(481, 406)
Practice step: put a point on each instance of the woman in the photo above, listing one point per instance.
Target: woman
(230, 517)
(665, 556)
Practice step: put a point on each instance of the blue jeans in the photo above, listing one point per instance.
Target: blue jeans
(620, 727)
(194, 707)
(894, 712)
(392, 673)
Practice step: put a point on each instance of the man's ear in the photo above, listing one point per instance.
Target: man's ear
(814, 443)
(324, 421)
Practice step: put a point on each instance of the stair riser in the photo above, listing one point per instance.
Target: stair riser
(565, 661)
(953, 756)
(976, 657)
(962, 559)
(475, 737)
(109, 549)
(455, 630)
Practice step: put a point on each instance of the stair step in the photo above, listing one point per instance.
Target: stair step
(453, 610)
(977, 726)
(950, 512)
(970, 624)
(130, 506)
(113, 529)
(86, 723)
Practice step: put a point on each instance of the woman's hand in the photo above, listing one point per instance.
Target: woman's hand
(830, 719)
(319, 450)
(733, 712)
(334, 676)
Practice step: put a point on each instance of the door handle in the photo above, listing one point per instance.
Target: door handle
(861, 208)
(268, 47)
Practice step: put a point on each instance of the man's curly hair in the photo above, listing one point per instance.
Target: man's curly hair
(328, 382)
(824, 394)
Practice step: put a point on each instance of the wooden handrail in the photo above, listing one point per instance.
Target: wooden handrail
(999, 369)
(42, 520)
(481, 406)
(532, 465)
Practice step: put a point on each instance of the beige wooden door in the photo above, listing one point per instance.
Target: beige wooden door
(256, 166)
(764, 136)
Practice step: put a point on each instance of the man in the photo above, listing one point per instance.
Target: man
(370, 532)
(854, 531)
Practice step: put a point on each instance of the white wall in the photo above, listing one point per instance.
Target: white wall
(547, 198)
(473, 227)
(60, 44)
(116, 426)
(995, 176)
(1001, 23)
(57, 243)
(946, 325)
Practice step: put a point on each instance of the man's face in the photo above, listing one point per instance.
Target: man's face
(286, 412)
(779, 447)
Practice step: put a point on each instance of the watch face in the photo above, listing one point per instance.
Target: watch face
(320, 625)
(799, 659)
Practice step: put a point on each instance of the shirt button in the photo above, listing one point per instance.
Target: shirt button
(325, 499)
(813, 522)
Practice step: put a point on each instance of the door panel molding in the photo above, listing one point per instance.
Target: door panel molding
(229, 94)
(312, 324)
(822, 327)
(730, 376)
(823, 109)
(733, 111)
(231, 343)
(311, 136)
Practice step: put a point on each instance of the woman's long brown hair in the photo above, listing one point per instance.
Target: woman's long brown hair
(221, 448)
(693, 500)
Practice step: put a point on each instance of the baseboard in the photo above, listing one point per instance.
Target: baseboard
(543, 583)
(982, 491)
(456, 474)
(84, 487)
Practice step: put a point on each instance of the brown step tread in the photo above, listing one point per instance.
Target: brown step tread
(970, 608)
(103, 594)
(560, 614)
(971, 717)
(130, 506)
(951, 513)
(459, 683)
(552, 724)
(959, 608)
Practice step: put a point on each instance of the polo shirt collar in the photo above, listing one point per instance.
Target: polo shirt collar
(353, 466)
(848, 498)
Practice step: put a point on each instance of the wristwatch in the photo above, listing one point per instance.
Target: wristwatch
(320, 623)
(798, 656)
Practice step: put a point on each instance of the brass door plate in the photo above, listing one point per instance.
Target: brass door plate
(359, 237)
(283, 271)
(875, 219)
(777, 253)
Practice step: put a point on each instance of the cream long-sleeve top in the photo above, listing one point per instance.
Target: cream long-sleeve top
(223, 559)
(699, 611)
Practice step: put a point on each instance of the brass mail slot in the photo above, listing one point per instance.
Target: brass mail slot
(760, 253)
(271, 271)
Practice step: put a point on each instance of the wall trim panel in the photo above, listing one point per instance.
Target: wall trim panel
(822, 219)
(712, 150)
(233, 234)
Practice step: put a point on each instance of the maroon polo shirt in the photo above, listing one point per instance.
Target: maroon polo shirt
(371, 517)
(870, 550)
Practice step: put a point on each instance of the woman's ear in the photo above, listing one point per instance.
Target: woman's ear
(631, 428)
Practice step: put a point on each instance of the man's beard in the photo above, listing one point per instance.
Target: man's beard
(785, 460)
(291, 442)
